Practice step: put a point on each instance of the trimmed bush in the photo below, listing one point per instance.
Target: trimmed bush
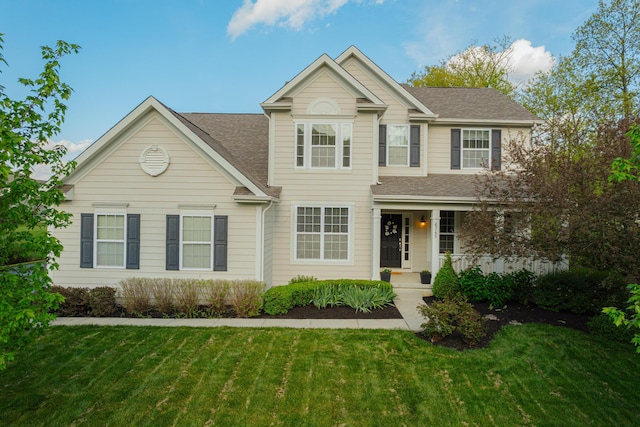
(136, 294)
(446, 284)
(522, 283)
(247, 297)
(445, 317)
(76, 301)
(579, 291)
(102, 301)
(163, 295)
(214, 294)
(302, 279)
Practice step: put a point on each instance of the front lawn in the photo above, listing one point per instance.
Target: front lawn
(530, 375)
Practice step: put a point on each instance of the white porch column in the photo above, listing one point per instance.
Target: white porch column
(435, 241)
(375, 243)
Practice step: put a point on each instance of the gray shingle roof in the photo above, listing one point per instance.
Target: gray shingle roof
(433, 186)
(242, 139)
(469, 103)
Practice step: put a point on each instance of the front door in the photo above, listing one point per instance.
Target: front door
(391, 241)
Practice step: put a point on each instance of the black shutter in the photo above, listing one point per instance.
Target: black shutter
(496, 149)
(133, 241)
(173, 242)
(456, 148)
(382, 146)
(86, 240)
(414, 146)
(220, 243)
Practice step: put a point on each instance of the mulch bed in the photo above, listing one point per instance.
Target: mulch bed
(311, 312)
(512, 314)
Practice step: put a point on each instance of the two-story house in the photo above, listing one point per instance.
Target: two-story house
(345, 172)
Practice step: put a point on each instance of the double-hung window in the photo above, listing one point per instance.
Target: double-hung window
(197, 242)
(323, 145)
(110, 240)
(398, 145)
(322, 233)
(476, 148)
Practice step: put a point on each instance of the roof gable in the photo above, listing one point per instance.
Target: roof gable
(215, 151)
(281, 99)
(378, 74)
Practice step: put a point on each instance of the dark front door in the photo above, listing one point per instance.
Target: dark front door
(391, 241)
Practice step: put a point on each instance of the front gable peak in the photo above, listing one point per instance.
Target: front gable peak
(282, 100)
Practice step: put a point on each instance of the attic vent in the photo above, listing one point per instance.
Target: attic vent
(154, 160)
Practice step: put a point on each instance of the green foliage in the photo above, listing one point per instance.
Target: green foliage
(446, 283)
(602, 325)
(75, 301)
(302, 279)
(628, 169)
(26, 204)
(579, 291)
(445, 317)
(497, 289)
(247, 297)
(327, 296)
(631, 321)
(281, 299)
(477, 66)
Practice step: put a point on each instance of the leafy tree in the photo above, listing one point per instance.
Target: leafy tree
(608, 49)
(28, 204)
(555, 199)
(477, 66)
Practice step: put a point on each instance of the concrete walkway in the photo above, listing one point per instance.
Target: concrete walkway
(406, 303)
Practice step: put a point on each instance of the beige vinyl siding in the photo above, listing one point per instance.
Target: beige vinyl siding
(326, 187)
(189, 180)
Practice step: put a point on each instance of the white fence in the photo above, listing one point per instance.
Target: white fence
(490, 265)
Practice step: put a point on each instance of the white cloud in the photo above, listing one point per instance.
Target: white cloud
(527, 60)
(285, 13)
(73, 148)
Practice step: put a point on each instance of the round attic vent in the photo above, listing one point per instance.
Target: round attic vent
(154, 160)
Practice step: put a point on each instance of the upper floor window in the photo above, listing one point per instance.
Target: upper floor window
(323, 145)
(476, 148)
(398, 145)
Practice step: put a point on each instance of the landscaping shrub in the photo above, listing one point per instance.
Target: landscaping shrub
(214, 294)
(186, 296)
(246, 297)
(366, 298)
(163, 295)
(327, 296)
(446, 284)
(522, 282)
(473, 283)
(136, 294)
(281, 299)
(602, 326)
(302, 279)
(76, 301)
(579, 291)
(445, 317)
(102, 301)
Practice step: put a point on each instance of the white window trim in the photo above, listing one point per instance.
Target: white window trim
(456, 227)
(182, 242)
(294, 234)
(123, 241)
(339, 126)
(388, 144)
(462, 149)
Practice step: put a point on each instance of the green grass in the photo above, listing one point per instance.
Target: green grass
(531, 375)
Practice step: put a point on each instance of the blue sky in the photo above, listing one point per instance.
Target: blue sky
(230, 55)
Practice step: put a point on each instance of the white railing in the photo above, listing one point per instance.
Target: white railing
(490, 265)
